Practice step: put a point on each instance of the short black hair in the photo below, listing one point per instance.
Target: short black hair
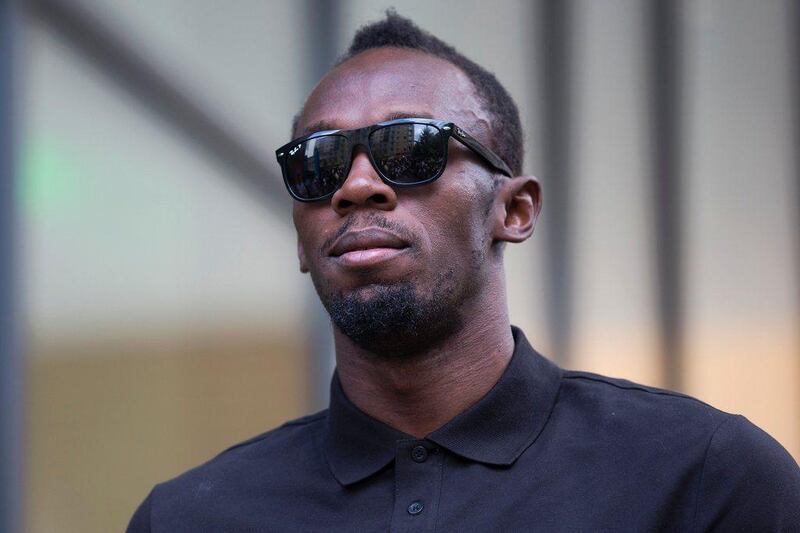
(506, 138)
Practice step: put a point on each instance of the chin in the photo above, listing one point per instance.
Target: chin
(394, 320)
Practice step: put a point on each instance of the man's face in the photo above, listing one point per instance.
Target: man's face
(397, 267)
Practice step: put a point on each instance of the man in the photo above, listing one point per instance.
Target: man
(406, 177)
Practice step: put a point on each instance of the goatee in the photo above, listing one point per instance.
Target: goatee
(395, 320)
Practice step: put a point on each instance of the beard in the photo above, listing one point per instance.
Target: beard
(397, 320)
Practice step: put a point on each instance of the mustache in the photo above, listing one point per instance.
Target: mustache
(364, 221)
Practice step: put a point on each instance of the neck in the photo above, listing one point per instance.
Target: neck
(419, 394)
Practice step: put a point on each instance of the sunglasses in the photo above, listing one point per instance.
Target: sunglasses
(405, 152)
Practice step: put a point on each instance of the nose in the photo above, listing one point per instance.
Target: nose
(363, 187)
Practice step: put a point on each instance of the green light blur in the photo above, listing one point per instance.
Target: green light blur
(49, 178)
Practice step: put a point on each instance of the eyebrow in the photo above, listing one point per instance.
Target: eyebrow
(324, 125)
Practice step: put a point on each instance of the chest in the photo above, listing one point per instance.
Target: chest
(429, 489)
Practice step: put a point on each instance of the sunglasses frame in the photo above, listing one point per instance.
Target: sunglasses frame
(360, 137)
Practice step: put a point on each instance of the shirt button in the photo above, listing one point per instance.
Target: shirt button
(419, 453)
(415, 508)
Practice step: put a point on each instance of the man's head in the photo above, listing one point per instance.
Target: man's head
(505, 128)
(400, 268)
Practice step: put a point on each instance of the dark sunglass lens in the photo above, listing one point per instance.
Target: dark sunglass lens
(409, 153)
(318, 166)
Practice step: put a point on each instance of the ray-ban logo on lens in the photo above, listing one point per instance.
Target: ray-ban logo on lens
(294, 150)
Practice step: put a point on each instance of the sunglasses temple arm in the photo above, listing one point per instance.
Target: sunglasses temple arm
(464, 138)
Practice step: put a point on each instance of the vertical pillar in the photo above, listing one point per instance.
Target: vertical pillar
(556, 132)
(11, 364)
(794, 68)
(664, 89)
(322, 22)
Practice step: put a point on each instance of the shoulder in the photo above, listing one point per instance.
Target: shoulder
(748, 479)
(652, 411)
(269, 450)
(740, 476)
(655, 426)
(280, 437)
(645, 409)
(259, 465)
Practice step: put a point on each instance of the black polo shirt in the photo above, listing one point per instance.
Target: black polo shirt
(544, 450)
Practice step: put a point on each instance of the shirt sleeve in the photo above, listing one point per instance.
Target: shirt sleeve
(140, 522)
(749, 482)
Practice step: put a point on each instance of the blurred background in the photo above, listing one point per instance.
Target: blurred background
(151, 309)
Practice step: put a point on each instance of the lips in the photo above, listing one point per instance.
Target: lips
(367, 246)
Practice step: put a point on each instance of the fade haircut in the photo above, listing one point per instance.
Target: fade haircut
(505, 128)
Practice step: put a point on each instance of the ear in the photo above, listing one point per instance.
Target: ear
(301, 256)
(518, 204)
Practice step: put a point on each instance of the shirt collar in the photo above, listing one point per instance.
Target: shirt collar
(496, 430)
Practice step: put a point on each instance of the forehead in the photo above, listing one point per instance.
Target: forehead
(383, 83)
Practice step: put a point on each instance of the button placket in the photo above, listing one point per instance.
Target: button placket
(418, 477)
